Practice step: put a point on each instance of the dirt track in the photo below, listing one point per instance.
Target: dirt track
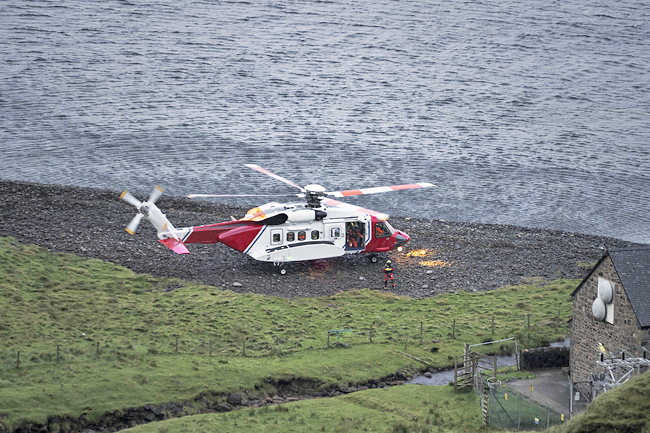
(449, 256)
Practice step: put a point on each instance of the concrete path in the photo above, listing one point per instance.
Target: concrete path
(550, 388)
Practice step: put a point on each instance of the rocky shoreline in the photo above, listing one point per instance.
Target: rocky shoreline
(444, 256)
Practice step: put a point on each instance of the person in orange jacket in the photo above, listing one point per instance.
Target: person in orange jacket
(388, 274)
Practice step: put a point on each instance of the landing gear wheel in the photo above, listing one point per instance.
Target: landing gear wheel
(283, 270)
(374, 259)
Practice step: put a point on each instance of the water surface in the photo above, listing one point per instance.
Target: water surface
(522, 112)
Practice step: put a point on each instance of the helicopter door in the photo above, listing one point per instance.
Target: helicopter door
(335, 233)
(355, 235)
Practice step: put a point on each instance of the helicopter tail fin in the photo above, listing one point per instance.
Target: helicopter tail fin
(175, 245)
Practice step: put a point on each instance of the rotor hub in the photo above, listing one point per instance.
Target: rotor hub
(314, 194)
(315, 190)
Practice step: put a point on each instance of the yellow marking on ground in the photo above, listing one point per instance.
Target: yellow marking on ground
(436, 264)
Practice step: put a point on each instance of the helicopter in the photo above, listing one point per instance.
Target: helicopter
(319, 227)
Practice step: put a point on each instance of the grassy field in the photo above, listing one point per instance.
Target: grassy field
(85, 336)
(409, 408)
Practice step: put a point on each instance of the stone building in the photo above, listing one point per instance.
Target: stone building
(610, 306)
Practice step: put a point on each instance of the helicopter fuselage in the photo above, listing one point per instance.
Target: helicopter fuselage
(318, 228)
(282, 233)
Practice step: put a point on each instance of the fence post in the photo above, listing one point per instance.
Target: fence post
(492, 324)
(210, 348)
(97, 350)
(490, 404)
(519, 414)
(495, 365)
(176, 345)
(243, 348)
(475, 372)
(517, 357)
(453, 330)
(571, 399)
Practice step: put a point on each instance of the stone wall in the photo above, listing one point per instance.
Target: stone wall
(544, 357)
(587, 332)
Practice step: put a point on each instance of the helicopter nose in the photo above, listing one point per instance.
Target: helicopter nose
(401, 238)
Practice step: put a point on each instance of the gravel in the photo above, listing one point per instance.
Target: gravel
(445, 256)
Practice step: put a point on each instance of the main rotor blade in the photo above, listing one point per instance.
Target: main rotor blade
(133, 225)
(331, 202)
(379, 189)
(130, 199)
(155, 194)
(243, 195)
(273, 175)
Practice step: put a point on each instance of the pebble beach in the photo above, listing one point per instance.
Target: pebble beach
(441, 257)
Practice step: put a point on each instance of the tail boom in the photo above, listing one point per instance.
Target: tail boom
(235, 234)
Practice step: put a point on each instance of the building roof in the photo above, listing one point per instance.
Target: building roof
(633, 268)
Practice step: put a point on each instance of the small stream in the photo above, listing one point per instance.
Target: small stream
(446, 376)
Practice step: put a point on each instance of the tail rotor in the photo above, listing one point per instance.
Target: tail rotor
(135, 222)
(142, 207)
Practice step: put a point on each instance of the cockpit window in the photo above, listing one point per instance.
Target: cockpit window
(382, 230)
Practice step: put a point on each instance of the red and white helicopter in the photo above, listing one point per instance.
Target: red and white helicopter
(319, 228)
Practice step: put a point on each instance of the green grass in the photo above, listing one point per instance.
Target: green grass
(625, 409)
(409, 408)
(80, 305)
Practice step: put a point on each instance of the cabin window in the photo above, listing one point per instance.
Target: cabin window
(314, 235)
(291, 236)
(381, 231)
(335, 232)
(276, 236)
(302, 236)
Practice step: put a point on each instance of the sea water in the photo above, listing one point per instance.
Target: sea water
(531, 113)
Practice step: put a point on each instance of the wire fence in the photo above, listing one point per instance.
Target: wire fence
(89, 351)
(240, 342)
(86, 349)
(509, 410)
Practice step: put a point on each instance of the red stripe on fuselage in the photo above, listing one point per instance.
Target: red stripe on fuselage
(241, 237)
(209, 234)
